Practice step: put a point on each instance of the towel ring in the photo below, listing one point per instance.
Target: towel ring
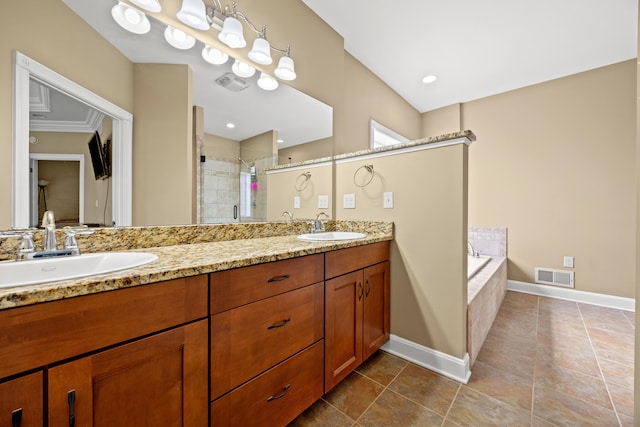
(301, 184)
(369, 169)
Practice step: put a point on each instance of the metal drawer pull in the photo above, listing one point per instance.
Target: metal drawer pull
(71, 400)
(281, 324)
(16, 418)
(360, 291)
(278, 396)
(368, 287)
(278, 278)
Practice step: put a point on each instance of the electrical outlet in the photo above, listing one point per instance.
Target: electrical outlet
(568, 261)
(296, 202)
(349, 201)
(387, 198)
(323, 202)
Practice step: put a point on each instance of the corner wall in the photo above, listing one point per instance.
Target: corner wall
(428, 254)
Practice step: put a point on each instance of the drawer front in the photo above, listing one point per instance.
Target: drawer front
(276, 397)
(46, 333)
(347, 260)
(251, 339)
(233, 288)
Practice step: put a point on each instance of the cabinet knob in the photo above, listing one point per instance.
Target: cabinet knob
(278, 278)
(279, 325)
(285, 389)
(16, 418)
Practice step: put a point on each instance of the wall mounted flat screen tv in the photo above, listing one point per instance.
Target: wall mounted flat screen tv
(100, 157)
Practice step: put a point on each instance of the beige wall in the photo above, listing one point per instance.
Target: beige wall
(366, 98)
(259, 146)
(441, 121)
(162, 145)
(221, 148)
(50, 33)
(281, 188)
(554, 163)
(428, 262)
(637, 235)
(311, 150)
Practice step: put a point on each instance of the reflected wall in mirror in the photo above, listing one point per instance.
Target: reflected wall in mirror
(244, 126)
(60, 130)
(28, 73)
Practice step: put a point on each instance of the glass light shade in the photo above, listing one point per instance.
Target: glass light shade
(267, 82)
(178, 38)
(150, 5)
(214, 56)
(231, 33)
(130, 18)
(260, 53)
(194, 14)
(285, 70)
(242, 69)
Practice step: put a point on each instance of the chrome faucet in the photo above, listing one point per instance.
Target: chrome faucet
(318, 224)
(471, 251)
(49, 225)
(288, 214)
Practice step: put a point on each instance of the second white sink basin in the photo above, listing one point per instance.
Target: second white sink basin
(20, 273)
(332, 235)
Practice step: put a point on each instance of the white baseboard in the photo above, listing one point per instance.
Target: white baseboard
(611, 301)
(434, 360)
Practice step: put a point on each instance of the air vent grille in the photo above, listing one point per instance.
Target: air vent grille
(549, 276)
(232, 82)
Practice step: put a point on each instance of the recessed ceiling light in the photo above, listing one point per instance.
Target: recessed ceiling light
(429, 79)
(230, 125)
(280, 141)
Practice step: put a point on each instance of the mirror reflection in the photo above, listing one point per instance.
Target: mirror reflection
(69, 159)
(244, 125)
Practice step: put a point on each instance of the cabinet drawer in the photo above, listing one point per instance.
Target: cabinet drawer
(233, 288)
(250, 339)
(346, 260)
(276, 397)
(53, 331)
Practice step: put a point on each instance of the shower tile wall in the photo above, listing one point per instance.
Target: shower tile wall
(220, 190)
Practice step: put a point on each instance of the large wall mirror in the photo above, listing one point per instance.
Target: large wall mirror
(245, 126)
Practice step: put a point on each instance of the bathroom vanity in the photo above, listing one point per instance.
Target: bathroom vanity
(241, 336)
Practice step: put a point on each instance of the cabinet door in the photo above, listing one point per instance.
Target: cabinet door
(376, 308)
(161, 380)
(343, 333)
(21, 401)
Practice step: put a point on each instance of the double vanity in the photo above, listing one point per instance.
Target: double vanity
(240, 324)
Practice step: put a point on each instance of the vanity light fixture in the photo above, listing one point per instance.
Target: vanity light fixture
(178, 38)
(242, 69)
(194, 14)
(228, 20)
(130, 18)
(266, 82)
(214, 56)
(150, 5)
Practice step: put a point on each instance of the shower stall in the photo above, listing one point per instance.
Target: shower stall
(234, 189)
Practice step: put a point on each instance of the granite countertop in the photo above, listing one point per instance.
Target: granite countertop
(183, 260)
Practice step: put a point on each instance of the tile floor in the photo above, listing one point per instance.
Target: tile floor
(546, 362)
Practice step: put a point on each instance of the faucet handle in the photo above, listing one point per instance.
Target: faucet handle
(70, 241)
(26, 245)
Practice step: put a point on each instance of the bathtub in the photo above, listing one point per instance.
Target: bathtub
(475, 263)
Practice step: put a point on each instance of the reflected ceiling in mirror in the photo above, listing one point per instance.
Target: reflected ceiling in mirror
(297, 117)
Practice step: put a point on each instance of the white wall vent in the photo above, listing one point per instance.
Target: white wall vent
(549, 276)
(232, 82)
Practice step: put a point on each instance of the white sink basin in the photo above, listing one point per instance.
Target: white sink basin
(19, 273)
(331, 235)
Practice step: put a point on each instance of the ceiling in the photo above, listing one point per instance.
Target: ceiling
(297, 117)
(480, 48)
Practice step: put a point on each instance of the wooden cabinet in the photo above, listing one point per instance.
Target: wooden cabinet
(156, 381)
(21, 401)
(267, 347)
(136, 356)
(356, 308)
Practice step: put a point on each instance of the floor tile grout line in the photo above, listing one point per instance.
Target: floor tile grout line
(595, 354)
(379, 394)
(444, 419)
